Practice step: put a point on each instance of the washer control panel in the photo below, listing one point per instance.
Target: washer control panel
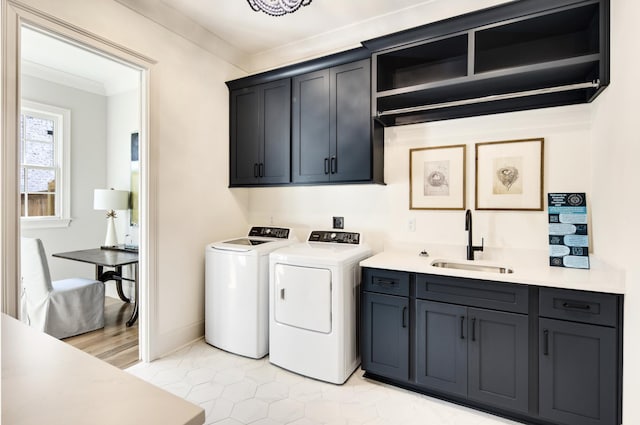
(270, 232)
(350, 238)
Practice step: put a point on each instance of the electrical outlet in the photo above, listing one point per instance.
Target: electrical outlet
(338, 222)
(411, 224)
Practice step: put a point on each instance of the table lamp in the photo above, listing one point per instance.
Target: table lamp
(110, 200)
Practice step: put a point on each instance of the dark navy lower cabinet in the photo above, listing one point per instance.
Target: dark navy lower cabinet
(441, 347)
(499, 358)
(542, 356)
(474, 353)
(385, 335)
(577, 373)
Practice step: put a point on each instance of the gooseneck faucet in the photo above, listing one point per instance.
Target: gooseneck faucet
(468, 226)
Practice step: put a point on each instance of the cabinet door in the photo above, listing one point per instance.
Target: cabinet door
(276, 121)
(577, 373)
(385, 335)
(311, 128)
(441, 347)
(244, 136)
(351, 122)
(498, 358)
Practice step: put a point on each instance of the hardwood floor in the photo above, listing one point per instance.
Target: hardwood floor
(116, 344)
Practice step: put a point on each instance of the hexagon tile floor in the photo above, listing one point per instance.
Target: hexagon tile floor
(237, 390)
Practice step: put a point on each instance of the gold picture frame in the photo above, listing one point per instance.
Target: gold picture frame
(437, 178)
(510, 175)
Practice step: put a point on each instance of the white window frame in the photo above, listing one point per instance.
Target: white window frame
(62, 142)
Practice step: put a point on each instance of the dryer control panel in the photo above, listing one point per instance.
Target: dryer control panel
(350, 238)
(270, 232)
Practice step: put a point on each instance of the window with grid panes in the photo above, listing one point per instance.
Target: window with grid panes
(42, 162)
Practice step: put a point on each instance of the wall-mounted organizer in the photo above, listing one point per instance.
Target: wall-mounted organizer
(522, 55)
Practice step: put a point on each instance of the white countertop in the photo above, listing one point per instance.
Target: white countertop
(46, 381)
(529, 267)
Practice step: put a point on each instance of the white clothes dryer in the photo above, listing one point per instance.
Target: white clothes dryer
(237, 288)
(313, 305)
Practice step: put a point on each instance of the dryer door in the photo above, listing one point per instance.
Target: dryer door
(302, 297)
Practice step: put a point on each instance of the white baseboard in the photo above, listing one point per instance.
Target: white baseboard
(177, 339)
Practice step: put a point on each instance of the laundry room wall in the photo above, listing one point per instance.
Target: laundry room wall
(382, 212)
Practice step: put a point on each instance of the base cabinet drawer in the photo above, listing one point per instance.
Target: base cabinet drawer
(578, 373)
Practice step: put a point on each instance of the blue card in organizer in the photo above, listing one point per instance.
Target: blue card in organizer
(568, 237)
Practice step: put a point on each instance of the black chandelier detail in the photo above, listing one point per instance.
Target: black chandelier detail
(277, 7)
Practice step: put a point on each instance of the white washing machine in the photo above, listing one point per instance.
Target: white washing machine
(313, 305)
(237, 288)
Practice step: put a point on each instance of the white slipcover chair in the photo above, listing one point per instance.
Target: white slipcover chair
(60, 308)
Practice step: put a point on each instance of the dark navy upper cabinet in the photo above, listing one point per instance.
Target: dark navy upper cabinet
(521, 55)
(307, 123)
(331, 129)
(259, 134)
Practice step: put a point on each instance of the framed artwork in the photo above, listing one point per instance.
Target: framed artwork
(135, 181)
(509, 175)
(437, 178)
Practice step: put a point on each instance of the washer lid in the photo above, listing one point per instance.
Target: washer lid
(247, 242)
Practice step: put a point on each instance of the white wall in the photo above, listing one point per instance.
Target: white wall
(88, 171)
(123, 118)
(615, 175)
(189, 154)
(382, 212)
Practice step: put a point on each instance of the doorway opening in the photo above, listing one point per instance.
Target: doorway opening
(89, 79)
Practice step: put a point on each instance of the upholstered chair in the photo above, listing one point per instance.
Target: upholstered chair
(61, 308)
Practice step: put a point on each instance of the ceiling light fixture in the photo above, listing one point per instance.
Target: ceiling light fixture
(277, 7)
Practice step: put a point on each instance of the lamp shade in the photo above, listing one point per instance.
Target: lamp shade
(110, 199)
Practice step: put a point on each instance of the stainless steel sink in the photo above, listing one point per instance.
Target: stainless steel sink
(471, 267)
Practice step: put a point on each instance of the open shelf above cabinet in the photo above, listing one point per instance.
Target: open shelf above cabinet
(524, 55)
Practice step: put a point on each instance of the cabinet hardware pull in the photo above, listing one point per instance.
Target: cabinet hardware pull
(326, 165)
(575, 306)
(282, 294)
(385, 283)
(404, 318)
(334, 165)
(261, 169)
(255, 170)
(473, 329)
(461, 327)
(546, 342)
